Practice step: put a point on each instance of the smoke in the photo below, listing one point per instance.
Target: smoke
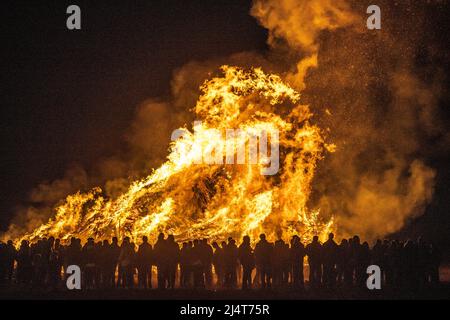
(368, 91)
(150, 131)
(48, 193)
(43, 198)
(299, 24)
(380, 203)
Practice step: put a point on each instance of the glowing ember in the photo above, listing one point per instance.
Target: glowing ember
(199, 200)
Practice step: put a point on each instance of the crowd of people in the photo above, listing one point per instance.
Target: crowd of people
(198, 264)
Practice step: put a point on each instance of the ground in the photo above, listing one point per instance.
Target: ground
(441, 293)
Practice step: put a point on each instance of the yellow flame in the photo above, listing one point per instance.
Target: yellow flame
(192, 199)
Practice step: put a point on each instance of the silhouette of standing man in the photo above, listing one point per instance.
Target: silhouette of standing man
(330, 254)
(160, 255)
(144, 264)
(263, 253)
(247, 260)
(314, 252)
(297, 254)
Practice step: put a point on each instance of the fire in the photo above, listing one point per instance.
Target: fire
(193, 199)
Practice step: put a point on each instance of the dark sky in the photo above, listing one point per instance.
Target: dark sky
(69, 96)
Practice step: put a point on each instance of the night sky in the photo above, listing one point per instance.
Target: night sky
(68, 96)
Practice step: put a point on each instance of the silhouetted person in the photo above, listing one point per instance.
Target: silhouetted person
(104, 262)
(297, 255)
(207, 256)
(173, 257)
(365, 262)
(390, 265)
(161, 261)
(45, 250)
(231, 263)
(314, 252)
(126, 264)
(144, 264)
(9, 260)
(184, 265)
(247, 260)
(285, 264)
(2, 263)
(219, 264)
(263, 253)
(39, 264)
(377, 256)
(358, 261)
(98, 262)
(24, 267)
(55, 264)
(196, 265)
(280, 256)
(190, 263)
(433, 266)
(343, 266)
(89, 266)
(215, 247)
(114, 252)
(330, 254)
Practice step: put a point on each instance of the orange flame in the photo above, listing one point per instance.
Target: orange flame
(197, 200)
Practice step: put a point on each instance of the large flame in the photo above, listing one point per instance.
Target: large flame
(190, 199)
